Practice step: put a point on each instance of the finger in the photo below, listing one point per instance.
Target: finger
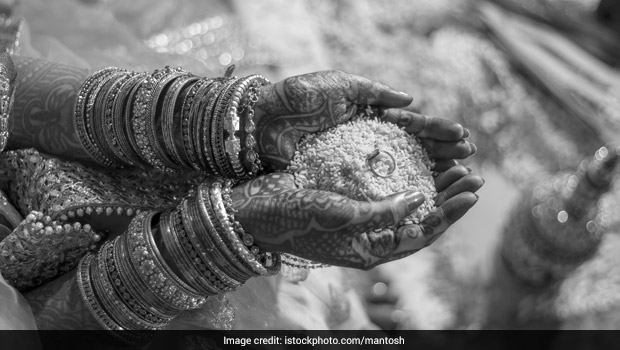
(424, 126)
(370, 92)
(449, 176)
(444, 164)
(388, 212)
(373, 237)
(412, 238)
(469, 183)
(449, 150)
(455, 207)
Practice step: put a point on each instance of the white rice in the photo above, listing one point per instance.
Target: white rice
(335, 160)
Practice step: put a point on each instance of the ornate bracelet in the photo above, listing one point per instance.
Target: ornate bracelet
(129, 144)
(168, 127)
(84, 282)
(5, 106)
(127, 291)
(102, 118)
(217, 130)
(242, 103)
(112, 121)
(245, 237)
(132, 276)
(201, 123)
(250, 157)
(236, 267)
(216, 277)
(211, 256)
(80, 115)
(184, 254)
(271, 260)
(169, 120)
(209, 237)
(144, 109)
(117, 304)
(153, 270)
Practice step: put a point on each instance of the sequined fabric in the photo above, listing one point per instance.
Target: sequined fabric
(71, 193)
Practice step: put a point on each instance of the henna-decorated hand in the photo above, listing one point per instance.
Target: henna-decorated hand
(333, 229)
(443, 139)
(313, 102)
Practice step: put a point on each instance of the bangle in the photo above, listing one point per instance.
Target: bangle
(6, 104)
(85, 286)
(186, 117)
(103, 119)
(235, 267)
(152, 268)
(184, 255)
(144, 109)
(245, 237)
(111, 123)
(217, 130)
(112, 301)
(186, 218)
(243, 96)
(127, 291)
(162, 92)
(210, 238)
(232, 142)
(202, 115)
(196, 228)
(130, 144)
(269, 260)
(251, 160)
(231, 238)
(80, 117)
(94, 113)
(168, 121)
(156, 303)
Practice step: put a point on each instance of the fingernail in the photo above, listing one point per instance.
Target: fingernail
(395, 98)
(465, 133)
(474, 149)
(414, 200)
(477, 196)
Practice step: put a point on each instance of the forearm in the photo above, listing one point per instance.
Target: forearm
(43, 108)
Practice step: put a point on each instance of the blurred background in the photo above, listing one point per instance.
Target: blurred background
(535, 81)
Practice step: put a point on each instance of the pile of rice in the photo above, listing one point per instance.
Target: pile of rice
(335, 160)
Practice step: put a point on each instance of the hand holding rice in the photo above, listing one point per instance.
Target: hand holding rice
(365, 159)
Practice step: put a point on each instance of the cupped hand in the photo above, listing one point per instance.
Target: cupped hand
(444, 139)
(310, 103)
(333, 229)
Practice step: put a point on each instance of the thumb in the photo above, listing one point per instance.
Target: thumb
(392, 210)
(377, 94)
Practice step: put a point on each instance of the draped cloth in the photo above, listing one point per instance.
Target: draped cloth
(15, 313)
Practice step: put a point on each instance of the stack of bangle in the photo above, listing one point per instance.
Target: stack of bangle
(169, 262)
(170, 120)
(5, 105)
